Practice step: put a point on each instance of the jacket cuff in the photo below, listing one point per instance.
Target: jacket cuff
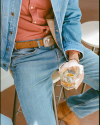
(76, 47)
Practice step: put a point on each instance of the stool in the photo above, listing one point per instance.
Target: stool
(56, 78)
(5, 120)
(90, 36)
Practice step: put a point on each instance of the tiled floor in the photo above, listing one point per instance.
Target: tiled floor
(92, 119)
(90, 12)
(7, 99)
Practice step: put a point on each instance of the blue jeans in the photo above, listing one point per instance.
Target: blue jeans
(32, 70)
(4, 120)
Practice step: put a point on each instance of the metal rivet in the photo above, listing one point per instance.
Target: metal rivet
(7, 49)
(12, 14)
(11, 32)
(4, 65)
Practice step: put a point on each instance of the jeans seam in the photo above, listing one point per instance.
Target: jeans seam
(75, 113)
(60, 10)
(58, 58)
(22, 56)
(72, 108)
(92, 79)
(20, 100)
(84, 103)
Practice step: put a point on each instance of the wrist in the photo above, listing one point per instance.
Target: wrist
(77, 60)
(71, 52)
(73, 56)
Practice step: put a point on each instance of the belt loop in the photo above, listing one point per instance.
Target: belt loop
(38, 43)
(15, 46)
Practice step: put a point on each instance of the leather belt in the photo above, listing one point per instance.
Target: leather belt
(46, 42)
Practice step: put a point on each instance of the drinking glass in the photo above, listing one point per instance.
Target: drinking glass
(68, 76)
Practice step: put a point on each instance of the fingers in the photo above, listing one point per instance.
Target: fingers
(79, 80)
(81, 69)
(74, 67)
(63, 67)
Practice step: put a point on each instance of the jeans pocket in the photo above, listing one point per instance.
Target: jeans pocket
(22, 54)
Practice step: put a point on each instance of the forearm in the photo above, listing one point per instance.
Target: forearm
(71, 31)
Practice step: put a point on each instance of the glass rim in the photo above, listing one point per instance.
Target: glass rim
(67, 76)
(65, 69)
(62, 73)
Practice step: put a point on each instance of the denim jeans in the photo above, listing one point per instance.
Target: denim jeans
(32, 69)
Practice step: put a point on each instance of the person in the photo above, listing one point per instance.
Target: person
(29, 49)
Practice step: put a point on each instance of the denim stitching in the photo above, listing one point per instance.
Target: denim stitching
(84, 102)
(58, 59)
(60, 10)
(7, 38)
(19, 99)
(19, 57)
(75, 113)
(91, 79)
(72, 108)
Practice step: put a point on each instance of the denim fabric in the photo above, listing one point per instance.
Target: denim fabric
(67, 17)
(4, 120)
(32, 70)
(88, 102)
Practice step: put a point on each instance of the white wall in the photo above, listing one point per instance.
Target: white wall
(6, 79)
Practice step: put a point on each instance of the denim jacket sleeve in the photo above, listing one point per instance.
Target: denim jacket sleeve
(71, 30)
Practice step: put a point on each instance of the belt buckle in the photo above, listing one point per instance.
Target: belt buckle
(48, 41)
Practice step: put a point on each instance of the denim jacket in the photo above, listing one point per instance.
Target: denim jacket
(67, 17)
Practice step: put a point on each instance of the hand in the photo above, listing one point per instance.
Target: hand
(74, 64)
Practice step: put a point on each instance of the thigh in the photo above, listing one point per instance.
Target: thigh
(91, 68)
(33, 82)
